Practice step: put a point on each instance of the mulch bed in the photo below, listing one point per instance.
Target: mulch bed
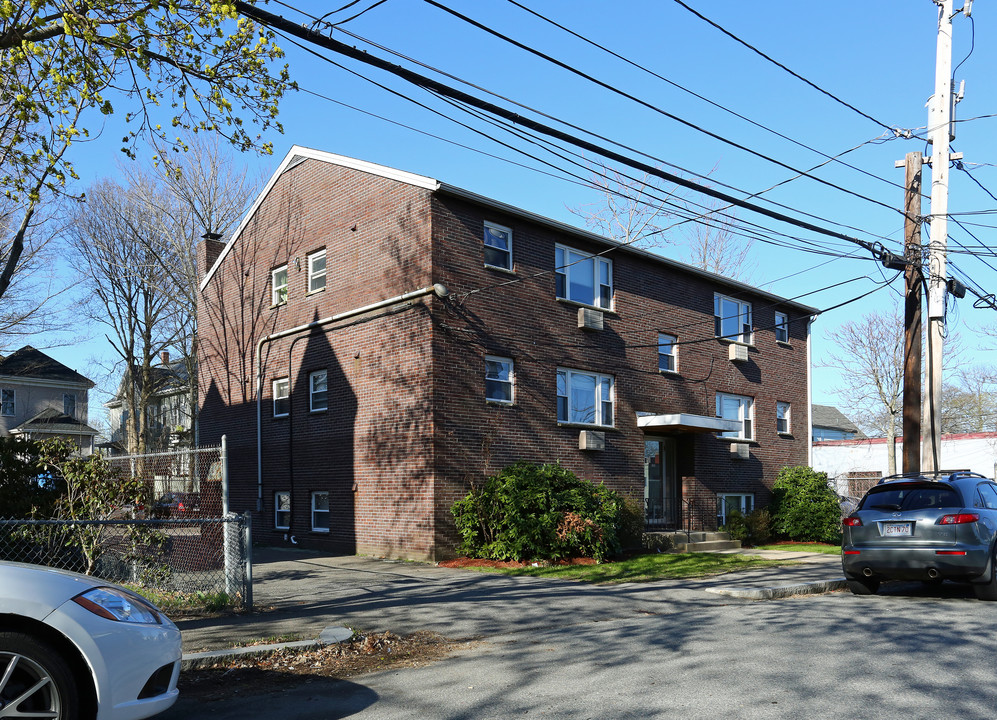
(481, 562)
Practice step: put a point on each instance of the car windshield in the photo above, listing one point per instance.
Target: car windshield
(911, 497)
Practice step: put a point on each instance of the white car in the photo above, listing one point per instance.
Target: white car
(75, 647)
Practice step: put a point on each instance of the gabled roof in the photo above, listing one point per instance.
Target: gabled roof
(166, 379)
(298, 154)
(31, 363)
(53, 421)
(828, 416)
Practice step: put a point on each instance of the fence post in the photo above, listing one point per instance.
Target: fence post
(247, 545)
(231, 554)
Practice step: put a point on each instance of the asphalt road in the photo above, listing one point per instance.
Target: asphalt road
(910, 652)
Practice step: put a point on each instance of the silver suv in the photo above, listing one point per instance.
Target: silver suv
(921, 527)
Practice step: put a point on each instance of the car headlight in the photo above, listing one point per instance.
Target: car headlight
(115, 604)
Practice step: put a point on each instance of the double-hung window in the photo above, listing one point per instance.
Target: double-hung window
(281, 397)
(782, 418)
(498, 246)
(320, 512)
(282, 510)
(782, 327)
(318, 394)
(732, 319)
(727, 502)
(69, 404)
(498, 379)
(278, 285)
(583, 278)
(739, 408)
(667, 353)
(6, 401)
(584, 398)
(316, 271)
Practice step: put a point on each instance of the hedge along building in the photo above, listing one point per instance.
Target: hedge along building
(374, 343)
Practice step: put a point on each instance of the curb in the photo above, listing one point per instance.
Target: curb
(195, 661)
(781, 591)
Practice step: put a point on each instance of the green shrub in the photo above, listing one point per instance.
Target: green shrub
(804, 508)
(759, 524)
(630, 529)
(735, 526)
(538, 512)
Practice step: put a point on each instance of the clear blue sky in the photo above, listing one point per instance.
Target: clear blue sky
(879, 58)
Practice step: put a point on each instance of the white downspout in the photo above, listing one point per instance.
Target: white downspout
(438, 289)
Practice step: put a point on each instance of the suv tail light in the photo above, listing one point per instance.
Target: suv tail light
(852, 521)
(958, 519)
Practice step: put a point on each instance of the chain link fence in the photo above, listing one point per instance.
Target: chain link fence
(183, 543)
(181, 556)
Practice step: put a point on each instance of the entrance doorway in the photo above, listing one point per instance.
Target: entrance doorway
(661, 488)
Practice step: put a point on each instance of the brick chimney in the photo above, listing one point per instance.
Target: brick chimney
(165, 357)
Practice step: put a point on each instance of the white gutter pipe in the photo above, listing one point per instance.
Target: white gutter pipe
(439, 289)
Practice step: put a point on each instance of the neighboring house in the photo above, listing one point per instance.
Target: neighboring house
(553, 345)
(168, 421)
(40, 398)
(855, 464)
(829, 423)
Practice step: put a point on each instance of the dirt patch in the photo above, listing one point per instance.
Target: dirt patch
(285, 668)
(480, 562)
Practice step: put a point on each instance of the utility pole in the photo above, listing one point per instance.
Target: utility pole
(939, 122)
(912, 314)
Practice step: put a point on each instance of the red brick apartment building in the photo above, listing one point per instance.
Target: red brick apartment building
(353, 424)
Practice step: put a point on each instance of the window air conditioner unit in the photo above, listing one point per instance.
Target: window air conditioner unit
(591, 440)
(589, 319)
(737, 353)
(740, 451)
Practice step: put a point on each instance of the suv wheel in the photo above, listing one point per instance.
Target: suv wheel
(863, 586)
(988, 590)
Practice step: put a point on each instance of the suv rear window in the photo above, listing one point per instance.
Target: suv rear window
(911, 497)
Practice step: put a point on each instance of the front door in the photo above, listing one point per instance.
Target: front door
(661, 490)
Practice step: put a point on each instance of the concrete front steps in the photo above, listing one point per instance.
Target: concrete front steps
(680, 541)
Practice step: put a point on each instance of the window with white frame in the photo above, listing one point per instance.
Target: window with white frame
(318, 390)
(282, 510)
(69, 404)
(498, 246)
(316, 271)
(6, 401)
(732, 319)
(782, 327)
(278, 285)
(667, 353)
(499, 379)
(739, 408)
(320, 512)
(726, 502)
(782, 418)
(584, 398)
(281, 397)
(583, 278)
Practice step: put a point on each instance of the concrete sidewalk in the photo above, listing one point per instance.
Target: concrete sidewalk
(305, 592)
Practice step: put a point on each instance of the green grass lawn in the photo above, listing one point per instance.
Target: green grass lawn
(647, 568)
(803, 547)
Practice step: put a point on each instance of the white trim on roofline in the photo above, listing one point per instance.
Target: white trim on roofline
(297, 151)
(437, 186)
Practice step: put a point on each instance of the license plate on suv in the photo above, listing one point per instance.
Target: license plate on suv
(896, 529)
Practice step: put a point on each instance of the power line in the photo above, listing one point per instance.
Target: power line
(648, 105)
(719, 106)
(896, 131)
(289, 27)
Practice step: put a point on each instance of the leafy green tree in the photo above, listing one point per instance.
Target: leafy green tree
(804, 507)
(177, 65)
(24, 485)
